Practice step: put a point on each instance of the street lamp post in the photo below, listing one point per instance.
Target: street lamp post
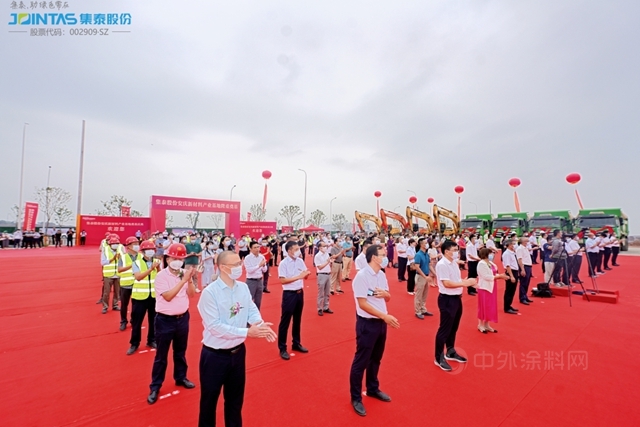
(331, 212)
(24, 139)
(46, 209)
(304, 218)
(475, 206)
(396, 208)
(231, 193)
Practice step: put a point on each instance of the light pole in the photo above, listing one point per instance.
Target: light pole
(24, 139)
(304, 218)
(46, 209)
(231, 193)
(331, 212)
(475, 206)
(396, 208)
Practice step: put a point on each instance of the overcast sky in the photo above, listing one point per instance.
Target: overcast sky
(365, 96)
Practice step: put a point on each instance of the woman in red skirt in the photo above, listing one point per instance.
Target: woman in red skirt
(487, 291)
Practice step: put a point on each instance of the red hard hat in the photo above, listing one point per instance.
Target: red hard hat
(114, 238)
(147, 244)
(176, 250)
(130, 240)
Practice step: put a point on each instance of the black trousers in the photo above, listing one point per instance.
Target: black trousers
(83, 241)
(292, 305)
(473, 273)
(599, 262)
(125, 297)
(593, 261)
(170, 329)
(371, 336)
(614, 255)
(607, 257)
(222, 370)
(265, 280)
(561, 271)
(243, 254)
(450, 307)
(510, 290)
(534, 257)
(302, 253)
(574, 265)
(524, 283)
(402, 268)
(70, 241)
(411, 282)
(140, 308)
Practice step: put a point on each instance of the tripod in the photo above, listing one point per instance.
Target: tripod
(566, 274)
(594, 282)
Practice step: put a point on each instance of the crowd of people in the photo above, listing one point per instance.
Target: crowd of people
(158, 276)
(31, 239)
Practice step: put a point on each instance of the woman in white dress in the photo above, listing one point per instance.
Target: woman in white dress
(209, 256)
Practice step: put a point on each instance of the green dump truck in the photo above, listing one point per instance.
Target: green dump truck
(507, 223)
(547, 221)
(476, 223)
(598, 220)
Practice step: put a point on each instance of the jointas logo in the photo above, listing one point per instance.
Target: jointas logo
(43, 19)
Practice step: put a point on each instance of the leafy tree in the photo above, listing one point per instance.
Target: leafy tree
(168, 219)
(317, 218)
(217, 218)
(193, 219)
(50, 200)
(339, 222)
(257, 214)
(62, 215)
(112, 206)
(291, 214)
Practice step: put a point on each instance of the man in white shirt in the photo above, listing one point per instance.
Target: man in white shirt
(510, 262)
(226, 309)
(592, 249)
(600, 241)
(472, 261)
(256, 266)
(401, 248)
(371, 293)
(575, 258)
(606, 241)
(292, 273)
(450, 285)
(524, 265)
(533, 244)
(323, 262)
(361, 259)
(491, 245)
(615, 250)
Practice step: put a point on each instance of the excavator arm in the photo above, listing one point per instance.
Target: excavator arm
(439, 212)
(362, 217)
(384, 214)
(414, 213)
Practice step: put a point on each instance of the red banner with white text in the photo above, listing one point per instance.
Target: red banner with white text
(287, 229)
(257, 229)
(125, 210)
(97, 226)
(30, 216)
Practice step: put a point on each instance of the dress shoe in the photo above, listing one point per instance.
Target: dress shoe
(153, 397)
(185, 383)
(284, 355)
(266, 291)
(123, 326)
(104, 311)
(380, 396)
(524, 302)
(300, 349)
(333, 293)
(529, 301)
(358, 407)
(616, 265)
(340, 291)
(514, 309)
(427, 313)
(116, 308)
(328, 311)
(132, 350)
(320, 313)
(152, 344)
(99, 301)
(511, 311)
(608, 268)
(419, 316)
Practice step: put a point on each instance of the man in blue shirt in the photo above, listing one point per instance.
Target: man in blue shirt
(421, 264)
(347, 259)
(226, 309)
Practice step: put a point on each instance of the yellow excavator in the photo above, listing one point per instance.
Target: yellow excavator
(362, 217)
(414, 213)
(404, 225)
(446, 227)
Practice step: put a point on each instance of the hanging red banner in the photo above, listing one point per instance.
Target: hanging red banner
(125, 210)
(30, 216)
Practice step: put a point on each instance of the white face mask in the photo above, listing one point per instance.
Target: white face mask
(490, 257)
(227, 242)
(236, 272)
(176, 264)
(297, 254)
(264, 243)
(210, 246)
(149, 253)
(385, 262)
(136, 248)
(456, 255)
(114, 246)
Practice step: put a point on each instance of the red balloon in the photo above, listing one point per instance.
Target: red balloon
(573, 178)
(413, 199)
(377, 194)
(266, 174)
(430, 200)
(459, 189)
(515, 182)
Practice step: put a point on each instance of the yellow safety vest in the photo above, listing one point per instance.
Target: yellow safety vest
(126, 277)
(142, 288)
(110, 269)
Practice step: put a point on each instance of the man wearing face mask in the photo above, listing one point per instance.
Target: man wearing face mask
(226, 309)
(371, 294)
(256, 266)
(143, 296)
(450, 285)
(323, 262)
(265, 251)
(126, 277)
(111, 281)
(336, 252)
(361, 260)
(173, 287)
(194, 249)
(292, 272)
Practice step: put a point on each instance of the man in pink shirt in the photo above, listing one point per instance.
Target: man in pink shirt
(173, 289)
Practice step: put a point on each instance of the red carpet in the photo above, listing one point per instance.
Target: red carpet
(64, 363)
